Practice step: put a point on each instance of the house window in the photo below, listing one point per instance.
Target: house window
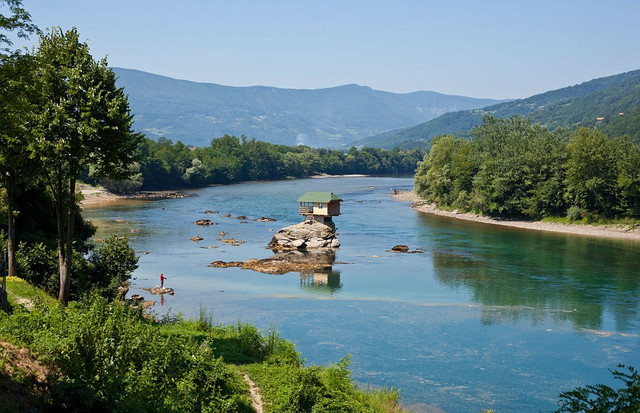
(320, 205)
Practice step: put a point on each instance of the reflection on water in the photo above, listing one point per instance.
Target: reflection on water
(320, 280)
(517, 275)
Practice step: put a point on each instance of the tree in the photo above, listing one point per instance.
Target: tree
(15, 106)
(18, 20)
(627, 156)
(519, 168)
(83, 120)
(113, 264)
(590, 172)
(446, 170)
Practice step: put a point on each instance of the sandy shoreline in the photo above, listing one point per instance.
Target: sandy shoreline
(338, 176)
(624, 232)
(97, 196)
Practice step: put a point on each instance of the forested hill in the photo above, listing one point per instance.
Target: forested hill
(570, 107)
(194, 113)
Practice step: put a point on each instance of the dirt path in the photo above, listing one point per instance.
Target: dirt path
(256, 398)
(25, 302)
(626, 232)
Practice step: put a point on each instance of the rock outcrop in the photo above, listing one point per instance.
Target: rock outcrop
(159, 290)
(305, 235)
(273, 265)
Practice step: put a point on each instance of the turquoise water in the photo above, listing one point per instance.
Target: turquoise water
(484, 317)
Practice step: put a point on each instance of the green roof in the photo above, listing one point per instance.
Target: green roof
(324, 197)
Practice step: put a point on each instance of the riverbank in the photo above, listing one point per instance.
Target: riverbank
(612, 231)
(94, 196)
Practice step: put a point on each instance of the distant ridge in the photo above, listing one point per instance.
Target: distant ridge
(570, 107)
(333, 117)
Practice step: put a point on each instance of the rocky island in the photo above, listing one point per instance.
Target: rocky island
(305, 235)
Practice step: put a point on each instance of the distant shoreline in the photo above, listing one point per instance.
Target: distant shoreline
(339, 176)
(99, 196)
(613, 231)
(94, 196)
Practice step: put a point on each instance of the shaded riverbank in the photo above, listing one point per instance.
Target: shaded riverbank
(614, 231)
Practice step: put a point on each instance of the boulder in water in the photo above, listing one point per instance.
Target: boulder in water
(204, 222)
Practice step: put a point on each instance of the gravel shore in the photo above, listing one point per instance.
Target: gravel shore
(93, 196)
(625, 232)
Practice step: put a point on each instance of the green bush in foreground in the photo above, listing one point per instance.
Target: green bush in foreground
(317, 389)
(108, 357)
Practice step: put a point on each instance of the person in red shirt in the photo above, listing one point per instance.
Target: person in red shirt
(162, 278)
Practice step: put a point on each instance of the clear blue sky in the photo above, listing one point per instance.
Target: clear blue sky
(479, 48)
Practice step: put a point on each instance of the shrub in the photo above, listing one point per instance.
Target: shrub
(113, 264)
(605, 399)
(574, 213)
(38, 265)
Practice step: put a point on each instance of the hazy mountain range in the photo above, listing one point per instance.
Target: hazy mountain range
(194, 113)
(612, 104)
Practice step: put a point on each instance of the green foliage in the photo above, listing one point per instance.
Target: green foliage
(113, 262)
(514, 168)
(317, 389)
(590, 169)
(105, 270)
(446, 171)
(110, 358)
(18, 21)
(166, 165)
(38, 265)
(21, 289)
(601, 398)
(83, 119)
(574, 213)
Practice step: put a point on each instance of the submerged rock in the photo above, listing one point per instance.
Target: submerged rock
(405, 249)
(305, 235)
(273, 265)
(204, 222)
(196, 239)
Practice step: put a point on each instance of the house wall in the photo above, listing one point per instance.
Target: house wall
(334, 208)
(320, 208)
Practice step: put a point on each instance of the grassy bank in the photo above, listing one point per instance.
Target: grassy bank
(96, 355)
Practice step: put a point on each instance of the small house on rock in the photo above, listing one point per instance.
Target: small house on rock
(319, 206)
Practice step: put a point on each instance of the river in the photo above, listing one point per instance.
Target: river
(482, 317)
